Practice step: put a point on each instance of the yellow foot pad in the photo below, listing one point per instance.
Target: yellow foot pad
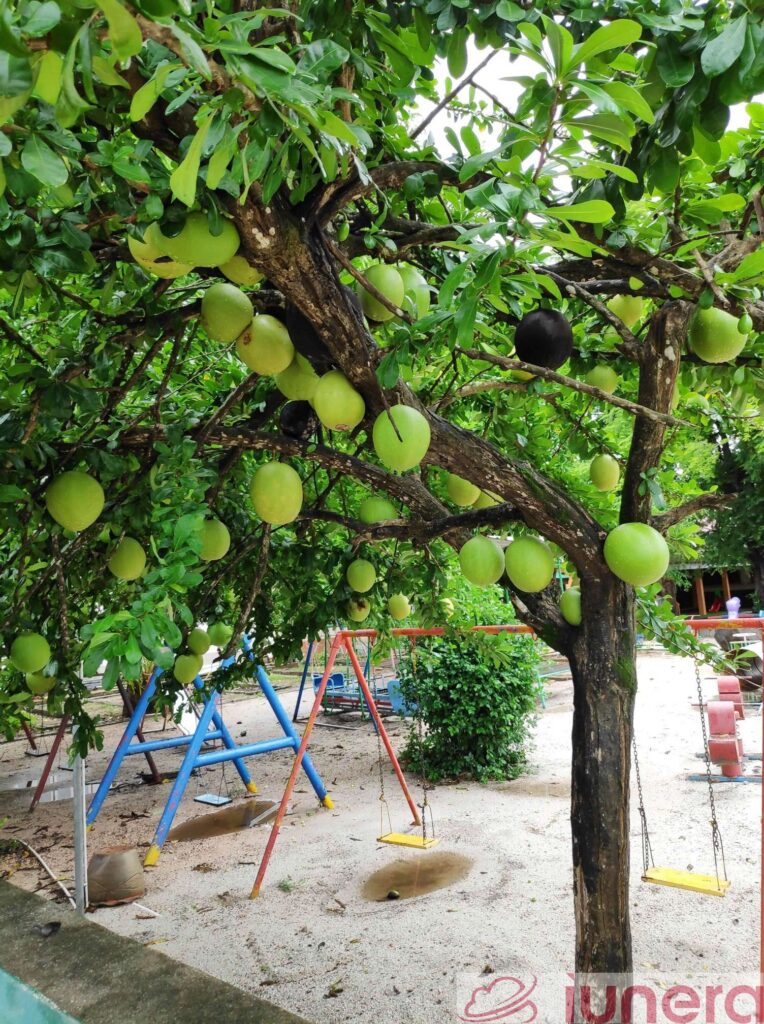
(251, 787)
(328, 802)
(152, 856)
(708, 885)
(413, 842)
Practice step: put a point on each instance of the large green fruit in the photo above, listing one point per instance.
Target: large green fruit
(337, 403)
(636, 554)
(216, 540)
(389, 282)
(399, 607)
(199, 641)
(604, 472)
(299, 381)
(570, 606)
(38, 684)
(220, 633)
(461, 492)
(30, 652)
(358, 609)
(195, 243)
(408, 451)
(361, 575)
(265, 346)
(627, 308)
(482, 561)
(714, 336)
(276, 492)
(240, 272)
(416, 291)
(187, 667)
(377, 510)
(128, 560)
(75, 500)
(603, 377)
(149, 254)
(530, 564)
(226, 312)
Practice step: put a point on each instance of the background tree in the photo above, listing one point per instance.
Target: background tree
(302, 130)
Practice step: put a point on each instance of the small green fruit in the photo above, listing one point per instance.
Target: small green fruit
(38, 684)
(220, 633)
(199, 641)
(276, 492)
(30, 652)
(570, 606)
(461, 492)
(603, 377)
(196, 245)
(128, 560)
(416, 291)
(150, 255)
(447, 606)
(358, 609)
(482, 561)
(627, 308)
(408, 451)
(714, 336)
(530, 564)
(487, 500)
(216, 540)
(377, 510)
(226, 312)
(389, 282)
(604, 472)
(75, 500)
(240, 272)
(299, 381)
(361, 575)
(636, 554)
(745, 324)
(337, 403)
(399, 607)
(265, 346)
(187, 667)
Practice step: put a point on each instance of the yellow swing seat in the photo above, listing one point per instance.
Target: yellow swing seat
(708, 885)
(413, 842)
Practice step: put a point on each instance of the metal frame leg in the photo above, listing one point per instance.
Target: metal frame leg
(127, 701)
(40, 788)
(305, 668)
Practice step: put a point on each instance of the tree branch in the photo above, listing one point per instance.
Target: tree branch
(714, 500)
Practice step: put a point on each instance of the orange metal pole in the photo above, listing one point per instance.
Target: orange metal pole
(382, 732)
(336, 643)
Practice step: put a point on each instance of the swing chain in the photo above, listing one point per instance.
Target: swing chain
(716, 835)
(425, 804)
(647, 850)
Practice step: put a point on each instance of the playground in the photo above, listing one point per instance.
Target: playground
(323, 939)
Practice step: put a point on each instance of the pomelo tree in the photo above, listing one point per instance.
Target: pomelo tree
(393, 213)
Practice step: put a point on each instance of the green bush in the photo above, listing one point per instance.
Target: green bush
(476, 697)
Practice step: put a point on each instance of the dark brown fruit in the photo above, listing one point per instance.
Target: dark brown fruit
(544, 338)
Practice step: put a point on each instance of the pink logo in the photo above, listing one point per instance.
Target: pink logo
(505, 997)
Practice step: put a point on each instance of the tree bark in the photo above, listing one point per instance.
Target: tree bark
(603, 664)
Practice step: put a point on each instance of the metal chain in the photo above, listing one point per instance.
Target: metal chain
(716, 835)
(425, 804)
(383, 806)
(647, 851)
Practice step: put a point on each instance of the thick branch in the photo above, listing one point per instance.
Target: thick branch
(701, 502)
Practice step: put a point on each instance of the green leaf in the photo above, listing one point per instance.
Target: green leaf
(219, 161)
(617, 35)
(124, 31)
(335, 126)
(560, 44)
(675, 68)
(9, 40)
(43, 18)
(70, 105)
(531, 33)
(751, 267)
(722, 52)
(274, 57)
(39, 159)
(456, 53)
(105, 72)
(627, 97)
(593, 211)
(15, 74)
(145, 98)
(709, 210)
(708, 149)
(608, 127)
(47, 85)
(183, 178)
(192, 52)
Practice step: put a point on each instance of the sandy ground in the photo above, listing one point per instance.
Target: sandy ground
(312, 944)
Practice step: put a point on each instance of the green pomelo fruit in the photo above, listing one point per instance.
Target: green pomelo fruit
(487, 500)
(461, 492)
(377, 510)
(530, 564)
(398, 606)
(570, 606)
(199, 641)
(30, 652)
(416, 291)
(627, 308)
(149, 255)
(299, 381)
(195, 243)
(482, 561)
(604, 472)
(75, 500)
(276, 492)
(603, 377)
(226, 312)
(187, 667)
(240, 272)
(38, 684)
(216, 540)
(220, 633)
(408, 451)
(128, 560)
(636, 554)
(714, 336)
(265, 346)
(389, 282)
(358, 609)
(337, 403)
(447, 606)
(361, 575)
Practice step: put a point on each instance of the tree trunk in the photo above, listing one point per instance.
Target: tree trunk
(603, 664)
(757, 568)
